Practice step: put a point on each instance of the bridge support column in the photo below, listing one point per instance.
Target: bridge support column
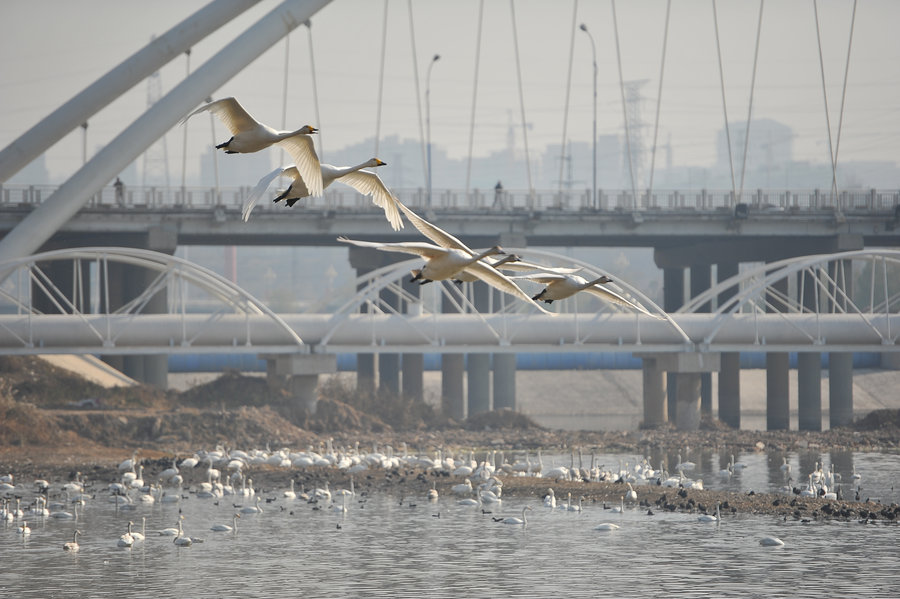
(673, 298)
(809, 366)
(687, 368)
(730, 389)
(478, 366)
(701, 280)
(688, 398)
(389, 363)
(413, 364)
(364, 262)
(298, 375)
(840, 364)
(452, 387)
(778, 399)
(809, 391)
(452, 366)
(504, 381)
(654, 392)
(778, 402)
(840, 389)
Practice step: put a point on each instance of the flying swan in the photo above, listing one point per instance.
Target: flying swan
(365, 182)
(562, 286)
(249, 135)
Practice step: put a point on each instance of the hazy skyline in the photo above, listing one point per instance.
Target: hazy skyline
(61, 47)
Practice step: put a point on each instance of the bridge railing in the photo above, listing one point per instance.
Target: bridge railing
(858, 201)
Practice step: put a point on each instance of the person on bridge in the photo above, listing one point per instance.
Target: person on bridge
(498, 196)
(120, 192)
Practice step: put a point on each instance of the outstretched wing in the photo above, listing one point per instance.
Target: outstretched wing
(259, 190)
(614, 298)
(418, 248)
(231, 113)
(433, 232)
(303, 151)
(370, 184)
(498, 280)
(523, 266)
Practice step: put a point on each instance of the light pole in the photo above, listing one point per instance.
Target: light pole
(436, 58)
(584, 28)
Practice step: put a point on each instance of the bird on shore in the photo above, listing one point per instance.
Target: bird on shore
(249, 135)
(366, 182)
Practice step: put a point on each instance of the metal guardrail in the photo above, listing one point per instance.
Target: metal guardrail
(765, 200)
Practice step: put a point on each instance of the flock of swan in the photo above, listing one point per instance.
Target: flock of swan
(446, 257)
(221, 474)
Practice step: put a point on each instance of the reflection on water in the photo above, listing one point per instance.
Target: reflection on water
(385, 546)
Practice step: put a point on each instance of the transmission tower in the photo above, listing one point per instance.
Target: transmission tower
(156, 157)
(633, 101)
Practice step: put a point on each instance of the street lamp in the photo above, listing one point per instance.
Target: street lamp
(584, 28)
(436, 58)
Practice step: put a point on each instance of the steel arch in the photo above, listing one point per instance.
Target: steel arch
(22, 280)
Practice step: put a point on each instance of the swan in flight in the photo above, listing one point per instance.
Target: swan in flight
(365, 182)
(444, 263)
(523, 521)
(249, 135)
(561, 286)
(73, 546)
(514, 263)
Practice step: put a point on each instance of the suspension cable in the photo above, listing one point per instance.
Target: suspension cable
(315, 89)
(474, 97)
(512, 9)
(837, 143)
(562, 145)
(415, 62)
(284, 91)
(724, 103)
(662, 70)
(824, 94)
(624, 108)
(187, 73)
(750, 107)
(384, 25)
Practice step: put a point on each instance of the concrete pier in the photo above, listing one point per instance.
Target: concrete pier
(673, 298)
(687, 368)
(809, 391)
(730, 389)
(298, 375)
(452, 368)
(478, 366)
(504, 381)
(778, 372)
(701, 280)
(654, 391)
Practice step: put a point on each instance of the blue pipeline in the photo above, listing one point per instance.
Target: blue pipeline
(555, 361)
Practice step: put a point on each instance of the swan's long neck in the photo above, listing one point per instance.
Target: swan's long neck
(481, 256)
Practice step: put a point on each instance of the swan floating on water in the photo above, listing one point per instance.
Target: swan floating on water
(523, 521)
(771, 542)
(73, 545)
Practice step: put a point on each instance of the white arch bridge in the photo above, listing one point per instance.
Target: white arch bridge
(72, 301)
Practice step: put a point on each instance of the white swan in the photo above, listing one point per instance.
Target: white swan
(514, 263)
(443, 263)
(249, 135)
(686, 465)
(433, 492)
(180, 539)
(518, 521)
(252, 509)
(73, 546)
(24, 529)
(365, 182)
(139, 536)
(550, 499)
(771, 542)
(291, 494)
(575, 508)
(562, 286)
(710, 517)
(126, 540)
(631, 494)
(619, 509)
(225, 527)
(607, 526)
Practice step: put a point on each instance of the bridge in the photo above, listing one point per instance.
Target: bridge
(801, 305)
(819, 291)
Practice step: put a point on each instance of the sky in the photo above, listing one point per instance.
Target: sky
(52, 49)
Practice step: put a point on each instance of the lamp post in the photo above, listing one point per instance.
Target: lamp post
(436, 58)
(584, 28)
